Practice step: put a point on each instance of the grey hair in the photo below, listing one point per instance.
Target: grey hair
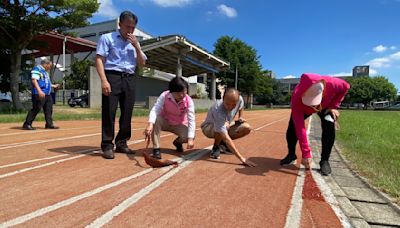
(45, 61)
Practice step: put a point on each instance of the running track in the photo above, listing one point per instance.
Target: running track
(57, 178)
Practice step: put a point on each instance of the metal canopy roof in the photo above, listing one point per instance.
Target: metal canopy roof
(51, 43)
(166, 52)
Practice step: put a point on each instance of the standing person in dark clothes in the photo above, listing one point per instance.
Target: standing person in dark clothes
(118, 54)
(41, 98)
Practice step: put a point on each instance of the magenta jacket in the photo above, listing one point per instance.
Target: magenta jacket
(334, 92)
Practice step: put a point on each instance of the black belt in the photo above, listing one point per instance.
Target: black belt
(122, 74)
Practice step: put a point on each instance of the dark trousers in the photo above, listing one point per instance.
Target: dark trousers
(122, 92)
(327, 139)
(37, 104)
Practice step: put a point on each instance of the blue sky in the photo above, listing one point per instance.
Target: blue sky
(291, 37)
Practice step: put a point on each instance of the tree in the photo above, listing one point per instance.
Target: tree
(78, 79)
(20, 21)
(241, 57)
(367, 89)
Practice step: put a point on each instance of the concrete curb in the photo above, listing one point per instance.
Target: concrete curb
(387, 198)
(361, 202)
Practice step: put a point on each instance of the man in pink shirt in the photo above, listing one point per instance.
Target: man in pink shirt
(314, 94)
(173, 112)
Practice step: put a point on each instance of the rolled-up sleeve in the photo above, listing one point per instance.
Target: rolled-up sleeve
(191, 120)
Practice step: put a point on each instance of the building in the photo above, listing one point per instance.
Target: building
(288, 84)
(359, 71)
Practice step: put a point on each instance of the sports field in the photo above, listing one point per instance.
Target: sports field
(57, 178)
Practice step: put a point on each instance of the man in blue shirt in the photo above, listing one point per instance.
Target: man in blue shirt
(41, 98)
(118, 54)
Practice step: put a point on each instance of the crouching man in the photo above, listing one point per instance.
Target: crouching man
(219, 125)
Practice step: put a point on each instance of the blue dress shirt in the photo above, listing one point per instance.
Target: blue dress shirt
(119, 53)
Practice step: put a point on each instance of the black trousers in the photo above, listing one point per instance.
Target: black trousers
(327, 139)
(122, 93)
(37, 104)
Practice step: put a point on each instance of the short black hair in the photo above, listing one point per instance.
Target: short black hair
(128, 15)
(178, 84)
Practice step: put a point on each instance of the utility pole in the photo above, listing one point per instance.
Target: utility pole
(236, 78)
(65, 40)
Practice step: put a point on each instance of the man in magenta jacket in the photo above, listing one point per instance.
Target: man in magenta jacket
(314, 94)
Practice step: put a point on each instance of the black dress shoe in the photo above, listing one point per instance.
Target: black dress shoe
(27, 127)
(178, 145)
(108, 154)
(52, 127)
(124, 150)
(288, 160)
(157, 153)
(325, 168)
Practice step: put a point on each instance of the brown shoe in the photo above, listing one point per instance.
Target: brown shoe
(124, 150)
(108, 154)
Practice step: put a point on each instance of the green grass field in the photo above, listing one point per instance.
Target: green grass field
(370, 140)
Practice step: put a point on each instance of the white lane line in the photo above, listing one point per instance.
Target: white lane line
(293, 217)
(107, 217)
(47, 130)
(14, 145)
(42, 211)
(268, 124)
(330, 198)
(34, 160)
(69, 201)
(43, 165)
(82, 152)
(64, 203)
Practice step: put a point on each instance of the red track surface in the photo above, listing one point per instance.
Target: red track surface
(42, 168)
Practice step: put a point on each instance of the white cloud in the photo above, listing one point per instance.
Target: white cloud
(107, 9)
(395, 56)
(373, 72)
(379, 62)
(393, 47)
(172, 3)
(227, 11)
(380, 48)
(341, 74)
(289, 76)
(384, 62)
